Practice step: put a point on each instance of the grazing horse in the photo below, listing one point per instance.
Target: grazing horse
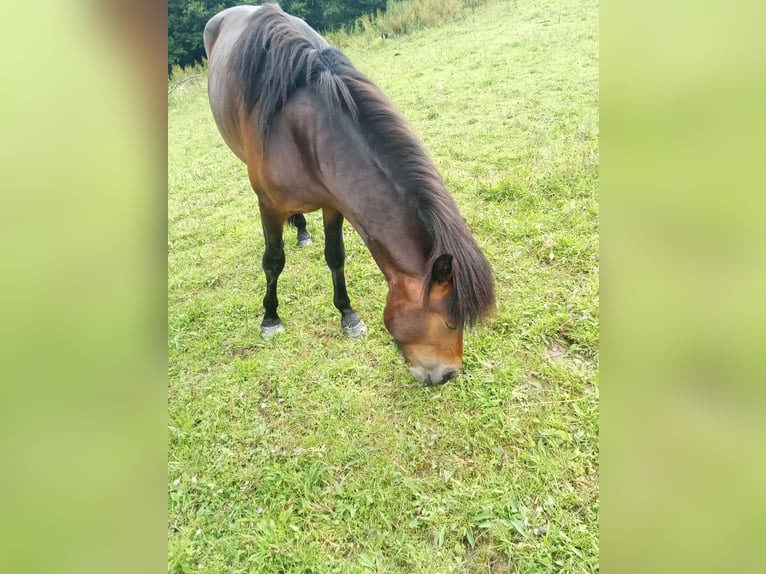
(315, 133)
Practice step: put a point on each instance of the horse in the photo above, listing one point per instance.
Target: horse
(315, 133)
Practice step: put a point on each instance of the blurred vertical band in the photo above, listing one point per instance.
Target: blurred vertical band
(82, 289)
(683, 87)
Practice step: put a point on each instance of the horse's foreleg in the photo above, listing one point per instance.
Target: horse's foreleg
(273, 263)
(335, 256)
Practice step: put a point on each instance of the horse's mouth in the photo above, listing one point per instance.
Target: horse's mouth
(431, 379)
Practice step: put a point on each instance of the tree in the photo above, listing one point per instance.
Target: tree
(340, 12)
(312, 11)
(186, 22)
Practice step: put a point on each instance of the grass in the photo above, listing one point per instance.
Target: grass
(313, 453)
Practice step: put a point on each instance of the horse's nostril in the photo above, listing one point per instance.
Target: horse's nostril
(448, 376)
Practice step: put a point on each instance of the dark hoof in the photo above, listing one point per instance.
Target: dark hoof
(304, 239)
(268, 331)
(355, 330)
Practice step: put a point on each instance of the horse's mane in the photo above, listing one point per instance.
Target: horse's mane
(275, 59)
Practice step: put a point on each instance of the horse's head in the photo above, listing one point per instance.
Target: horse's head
(418, 319)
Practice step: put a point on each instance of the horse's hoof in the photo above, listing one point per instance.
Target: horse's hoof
(355, 331)
(304, 239)
(268, 331)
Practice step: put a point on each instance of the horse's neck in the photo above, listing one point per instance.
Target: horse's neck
(389, 231)
(374, 206)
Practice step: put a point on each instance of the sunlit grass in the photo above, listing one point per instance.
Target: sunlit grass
(313, 453)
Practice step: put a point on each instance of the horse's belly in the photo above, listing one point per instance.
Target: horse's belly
(224, 112)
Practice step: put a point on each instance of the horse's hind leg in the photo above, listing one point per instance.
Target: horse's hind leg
(273, 263)
(335, 255)
(299, 221)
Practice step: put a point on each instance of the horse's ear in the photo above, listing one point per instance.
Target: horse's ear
(442, 270)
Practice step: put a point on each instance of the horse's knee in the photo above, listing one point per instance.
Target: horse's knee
(334, 257)
(273, 260)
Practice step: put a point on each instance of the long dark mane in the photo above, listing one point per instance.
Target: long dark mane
(276, 58)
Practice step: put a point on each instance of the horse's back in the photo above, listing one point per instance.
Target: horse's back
(222, 36)
(236, 20)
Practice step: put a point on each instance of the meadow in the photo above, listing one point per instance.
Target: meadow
(310, 452)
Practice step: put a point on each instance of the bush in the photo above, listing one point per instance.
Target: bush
(402, 17)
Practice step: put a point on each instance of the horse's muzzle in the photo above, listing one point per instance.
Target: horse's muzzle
(433, 377)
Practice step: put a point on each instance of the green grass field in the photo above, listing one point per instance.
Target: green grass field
(313, 453)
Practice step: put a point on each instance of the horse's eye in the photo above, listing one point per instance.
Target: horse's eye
(450, 327)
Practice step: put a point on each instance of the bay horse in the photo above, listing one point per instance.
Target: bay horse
(315, 133)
